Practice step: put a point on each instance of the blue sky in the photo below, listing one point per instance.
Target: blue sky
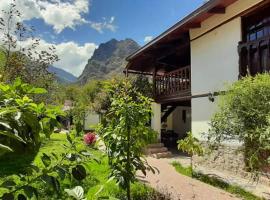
(77, 27)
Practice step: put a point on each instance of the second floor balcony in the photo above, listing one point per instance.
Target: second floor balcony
(173, 85)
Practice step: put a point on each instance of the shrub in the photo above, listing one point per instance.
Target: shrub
(244, 115)
(192, 146)
(22, 120)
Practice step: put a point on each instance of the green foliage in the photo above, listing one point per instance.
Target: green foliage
(244, 115)
(53, 169)
(102, 100)
(77, 193)
(23, 120)
(125, 133)
(18, 60)
(216, 182)
(190, 145)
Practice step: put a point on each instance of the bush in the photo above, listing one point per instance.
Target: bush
(21, 119)
(244, 115)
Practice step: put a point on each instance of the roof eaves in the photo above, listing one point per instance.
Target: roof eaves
(205, 7)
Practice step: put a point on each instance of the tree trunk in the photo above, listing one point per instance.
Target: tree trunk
(128, 165)
(191, 165)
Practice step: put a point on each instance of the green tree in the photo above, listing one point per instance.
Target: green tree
(192, 146)
(125, 133)
(244, 115)
(20, 52)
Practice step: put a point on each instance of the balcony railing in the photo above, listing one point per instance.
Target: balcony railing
(173, 84)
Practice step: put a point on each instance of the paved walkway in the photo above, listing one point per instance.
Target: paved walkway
(179, 186)
(259, 189)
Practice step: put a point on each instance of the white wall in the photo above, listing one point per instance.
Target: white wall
(90, 120)
(214, 61)
(156, 118)
(179, 126)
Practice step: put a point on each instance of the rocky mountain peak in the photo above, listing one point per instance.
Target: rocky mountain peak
(108, 59)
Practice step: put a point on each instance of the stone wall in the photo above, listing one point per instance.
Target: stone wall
(227, 159)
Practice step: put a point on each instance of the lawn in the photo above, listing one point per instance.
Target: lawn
(238, 191)
(96, 184)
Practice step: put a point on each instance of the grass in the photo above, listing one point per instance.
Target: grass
(233, 189)
(97, 173)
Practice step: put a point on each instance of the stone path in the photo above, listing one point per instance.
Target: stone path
(179, 186)
(259, 189)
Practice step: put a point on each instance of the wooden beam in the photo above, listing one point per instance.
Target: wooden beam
(217, 10)
(193, 25)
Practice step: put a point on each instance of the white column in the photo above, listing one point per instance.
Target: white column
(156, 119)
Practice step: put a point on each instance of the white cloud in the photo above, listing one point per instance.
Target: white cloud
(63, 15)
(73, 57)
(59, 14)
(148, 39)
(106, 24)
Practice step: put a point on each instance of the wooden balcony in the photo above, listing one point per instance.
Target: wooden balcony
(173, 85)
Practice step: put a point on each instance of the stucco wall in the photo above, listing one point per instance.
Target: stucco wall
(156, 118)
(91, 120)
(214, 61)
(179, 126)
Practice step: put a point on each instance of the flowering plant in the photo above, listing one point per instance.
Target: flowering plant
(89, 138)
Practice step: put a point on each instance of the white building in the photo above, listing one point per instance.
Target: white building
(191, 61)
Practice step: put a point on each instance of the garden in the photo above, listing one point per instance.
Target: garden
(38, 160)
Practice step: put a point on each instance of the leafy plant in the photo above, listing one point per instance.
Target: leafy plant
(55, 168)
(21, 118)
(77, 193)
(192, 146)
(125, 133)
(244, 115)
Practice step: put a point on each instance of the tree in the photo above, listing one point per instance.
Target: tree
(244, 115)
(192, 146)
(22, 55)
(125, 133)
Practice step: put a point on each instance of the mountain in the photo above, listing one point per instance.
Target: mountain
(62, 75)
(108, 59)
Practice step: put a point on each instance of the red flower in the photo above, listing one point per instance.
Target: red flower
(89, 138)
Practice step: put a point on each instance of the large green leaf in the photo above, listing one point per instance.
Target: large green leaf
(30, 192)
(12, 135)
(46, 160)
(79, 172)
(8, 196)
(5, 148)
(77, 192)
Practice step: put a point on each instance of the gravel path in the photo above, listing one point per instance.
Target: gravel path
(179, 186)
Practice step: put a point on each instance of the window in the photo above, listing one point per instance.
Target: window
(254, 50)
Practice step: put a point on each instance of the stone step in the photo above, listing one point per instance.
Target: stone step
(157, 145)
(166, 154)
(157, 150)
